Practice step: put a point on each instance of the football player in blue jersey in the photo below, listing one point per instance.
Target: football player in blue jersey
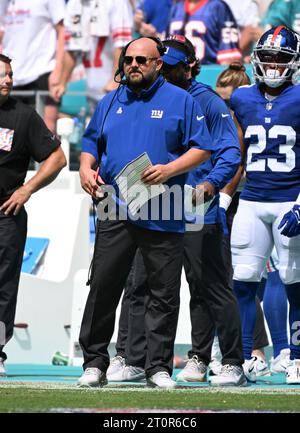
(268, 212)
(210, 26)
(271, 290)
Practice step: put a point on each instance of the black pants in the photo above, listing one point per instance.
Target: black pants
(13, 231)
(115, 247)
(212, 302)
(213, 306)
(131, 342)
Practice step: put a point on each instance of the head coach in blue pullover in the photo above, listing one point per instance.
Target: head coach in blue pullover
(213, 305)
(145, 114)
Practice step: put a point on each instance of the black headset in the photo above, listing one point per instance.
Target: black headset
(120, 71)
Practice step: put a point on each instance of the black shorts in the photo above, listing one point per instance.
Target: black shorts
(41, 83)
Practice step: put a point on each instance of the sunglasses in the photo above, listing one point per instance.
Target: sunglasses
(141, 60)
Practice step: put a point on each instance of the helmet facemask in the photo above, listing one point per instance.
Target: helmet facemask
(274, 66)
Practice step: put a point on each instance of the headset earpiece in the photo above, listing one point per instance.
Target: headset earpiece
(159, 44)
(120, 70)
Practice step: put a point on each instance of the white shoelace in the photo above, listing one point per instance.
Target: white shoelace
(91, 371)
(195, 364)
(117, 360)
(228, 369)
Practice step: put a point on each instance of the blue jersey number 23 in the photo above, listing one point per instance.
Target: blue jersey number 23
(284, 149)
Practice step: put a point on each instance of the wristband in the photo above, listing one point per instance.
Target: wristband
(224, 200)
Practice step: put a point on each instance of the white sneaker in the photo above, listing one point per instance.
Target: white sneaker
(128, 373)
(249, 369)
(230, 375)
(2, 368)
(215, 367)
(194, 371)
(92, 377)
(116, 366)
(261, 367)
(161, 379)
(279, 364)
(293, 372)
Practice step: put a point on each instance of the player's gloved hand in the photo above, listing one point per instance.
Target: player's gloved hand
(291, 222)
(224, 203)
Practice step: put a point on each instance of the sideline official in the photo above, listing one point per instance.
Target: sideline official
(23, 134)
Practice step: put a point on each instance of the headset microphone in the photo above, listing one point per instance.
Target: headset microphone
(123, 79)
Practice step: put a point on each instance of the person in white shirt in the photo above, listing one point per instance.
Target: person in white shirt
(97, 31)
(33, 36)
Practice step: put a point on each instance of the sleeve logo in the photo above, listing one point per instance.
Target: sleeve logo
(6, 139)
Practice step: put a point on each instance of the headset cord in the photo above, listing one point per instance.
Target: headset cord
(90, 271)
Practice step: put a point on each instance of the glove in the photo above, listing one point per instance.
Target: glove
(224, 203)
(291, 222)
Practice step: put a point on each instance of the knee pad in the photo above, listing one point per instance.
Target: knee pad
(243, 272)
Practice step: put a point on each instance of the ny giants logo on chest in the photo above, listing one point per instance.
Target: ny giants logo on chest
(157, 114)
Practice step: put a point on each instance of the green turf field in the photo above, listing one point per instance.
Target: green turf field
(57, 398)
(49, 388)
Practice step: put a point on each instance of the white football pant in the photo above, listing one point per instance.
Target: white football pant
(254, 234)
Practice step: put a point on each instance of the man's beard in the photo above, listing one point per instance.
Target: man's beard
(143, 83)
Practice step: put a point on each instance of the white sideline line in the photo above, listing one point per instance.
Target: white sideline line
(140, 388)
